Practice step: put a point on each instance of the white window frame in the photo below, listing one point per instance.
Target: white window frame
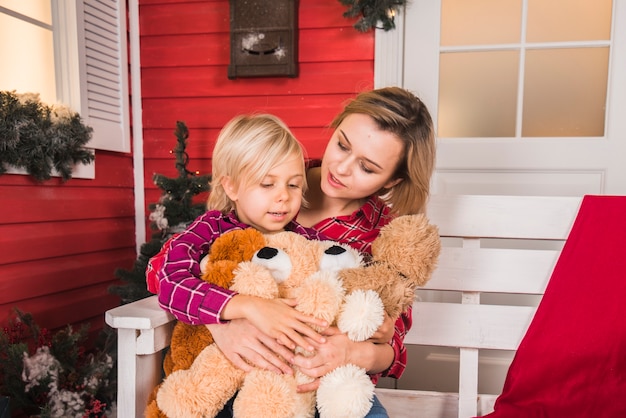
(91, 66)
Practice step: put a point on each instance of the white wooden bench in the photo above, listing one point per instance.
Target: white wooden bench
(491, 244)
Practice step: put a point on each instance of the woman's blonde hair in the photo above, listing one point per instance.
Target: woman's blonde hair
(247, 148)
(400, 112)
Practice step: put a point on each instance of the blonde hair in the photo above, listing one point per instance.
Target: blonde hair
(247, 148)
(400, 112)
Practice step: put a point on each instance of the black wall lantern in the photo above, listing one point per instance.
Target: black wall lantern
(263, 39)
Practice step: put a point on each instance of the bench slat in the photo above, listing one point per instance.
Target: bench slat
(493, 270)
(471, 326)
(523, 217)
(401, 403)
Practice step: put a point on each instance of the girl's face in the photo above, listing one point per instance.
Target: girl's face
(269, 205)
(360, 159)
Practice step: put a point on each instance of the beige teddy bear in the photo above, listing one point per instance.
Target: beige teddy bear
(329, 281)
(289, 266)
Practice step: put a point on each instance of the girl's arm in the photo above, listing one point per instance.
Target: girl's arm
(181, 291)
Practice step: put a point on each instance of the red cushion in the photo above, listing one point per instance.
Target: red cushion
(572, 360)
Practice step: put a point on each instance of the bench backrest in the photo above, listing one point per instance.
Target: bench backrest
(491, 245)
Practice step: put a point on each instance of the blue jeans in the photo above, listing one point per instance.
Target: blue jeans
(377, 411)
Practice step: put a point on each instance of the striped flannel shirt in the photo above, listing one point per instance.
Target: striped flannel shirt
(177, 269)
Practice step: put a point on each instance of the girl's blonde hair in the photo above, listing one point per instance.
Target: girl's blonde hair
(400, 112)
(247, 148)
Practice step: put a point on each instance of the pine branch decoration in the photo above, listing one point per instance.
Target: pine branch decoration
(41, 138)
(371, 12)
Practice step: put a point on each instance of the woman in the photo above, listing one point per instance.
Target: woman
(377, 165)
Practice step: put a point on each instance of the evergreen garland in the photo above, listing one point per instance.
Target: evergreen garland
(172, 214)
(41, 138)
(371, 12)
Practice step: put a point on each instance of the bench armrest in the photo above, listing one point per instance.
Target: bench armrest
(143, 331)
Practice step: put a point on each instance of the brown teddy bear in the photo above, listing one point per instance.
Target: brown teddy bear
(218, 267)
(404, 257)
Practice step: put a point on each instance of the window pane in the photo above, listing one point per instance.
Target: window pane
(478, 94)
(566, 20)
(472, 22)
(38, 9)
(29, 70)
(565, 92)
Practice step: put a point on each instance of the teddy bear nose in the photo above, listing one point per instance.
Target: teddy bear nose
(335, 250)
(267, 253)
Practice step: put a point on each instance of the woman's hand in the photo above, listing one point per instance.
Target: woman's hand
(339, 350)
(385, 332)
(245, 346)
(328, 356)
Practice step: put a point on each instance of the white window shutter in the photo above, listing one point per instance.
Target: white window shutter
(103, 61)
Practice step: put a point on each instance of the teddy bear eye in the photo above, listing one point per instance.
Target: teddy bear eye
(337, 257)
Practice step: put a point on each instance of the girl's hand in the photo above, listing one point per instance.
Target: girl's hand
(245, 346)
(278, 319)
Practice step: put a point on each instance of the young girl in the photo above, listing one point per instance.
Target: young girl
(258, 181)
(377, 165)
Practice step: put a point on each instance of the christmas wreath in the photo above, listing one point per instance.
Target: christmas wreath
(370, 12)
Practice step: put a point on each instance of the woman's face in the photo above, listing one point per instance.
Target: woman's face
(360, 159)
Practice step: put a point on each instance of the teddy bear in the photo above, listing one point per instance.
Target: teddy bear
(288, 266)
(404, 256)
(350, 294)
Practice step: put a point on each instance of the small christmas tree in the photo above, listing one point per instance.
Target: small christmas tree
(172, 214)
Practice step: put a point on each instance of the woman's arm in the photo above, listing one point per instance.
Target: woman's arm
(379, 359)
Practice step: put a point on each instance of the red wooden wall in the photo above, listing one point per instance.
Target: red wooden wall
(61, 243)
(185, 52)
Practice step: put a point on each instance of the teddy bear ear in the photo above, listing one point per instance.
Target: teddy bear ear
(276, 261)
(337, 257)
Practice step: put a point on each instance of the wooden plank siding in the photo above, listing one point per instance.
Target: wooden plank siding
(60, 243)
(185, 52)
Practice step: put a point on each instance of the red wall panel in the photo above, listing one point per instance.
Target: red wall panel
(185, 52)
(60, 243)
